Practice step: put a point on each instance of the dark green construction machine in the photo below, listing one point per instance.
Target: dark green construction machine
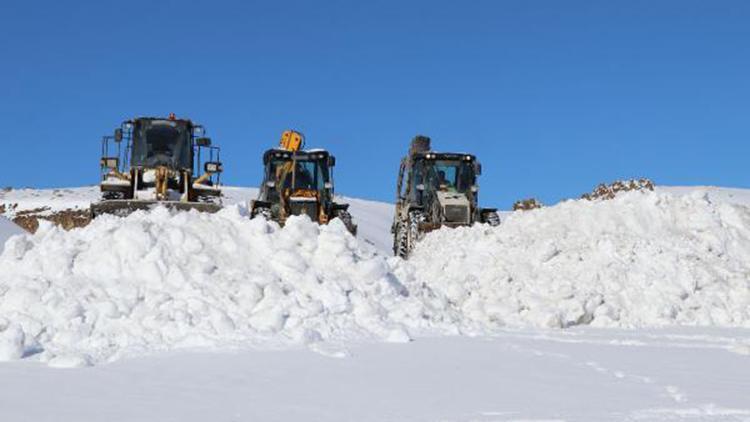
(152, 161)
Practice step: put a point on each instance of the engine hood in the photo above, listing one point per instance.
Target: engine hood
(452, 198)
(455, 207)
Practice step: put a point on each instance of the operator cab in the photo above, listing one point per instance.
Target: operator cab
(300, 173)
(446, 172)
(162, 142)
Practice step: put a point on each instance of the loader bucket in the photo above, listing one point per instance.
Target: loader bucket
(124, 207)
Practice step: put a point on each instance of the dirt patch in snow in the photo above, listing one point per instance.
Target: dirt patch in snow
(67, 219)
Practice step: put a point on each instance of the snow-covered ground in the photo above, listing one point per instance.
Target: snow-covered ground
(575, 375)
(632, 309)
(715, 194)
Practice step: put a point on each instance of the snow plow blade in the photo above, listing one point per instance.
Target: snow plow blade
(124, 207)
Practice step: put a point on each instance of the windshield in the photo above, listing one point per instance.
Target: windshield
(161, 143)
(300, 174)
(448, 175)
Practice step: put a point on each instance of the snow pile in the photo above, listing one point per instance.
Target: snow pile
(642, 259)
(155, 281)
(160, 280)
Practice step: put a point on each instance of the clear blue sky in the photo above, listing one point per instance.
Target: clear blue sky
(553, 96)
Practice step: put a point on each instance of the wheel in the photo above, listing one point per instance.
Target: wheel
(492, 219)
(408, 234)
(261, 211)
(401, 240)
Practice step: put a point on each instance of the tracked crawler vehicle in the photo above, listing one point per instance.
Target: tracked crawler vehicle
(299, 182)
(435, 189)
(153, 161)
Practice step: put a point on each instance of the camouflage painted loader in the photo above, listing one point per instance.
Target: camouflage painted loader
(299, 182)
(434, 190)
(158, 161)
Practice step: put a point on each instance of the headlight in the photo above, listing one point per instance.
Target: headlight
(213, 167)
(110, 162)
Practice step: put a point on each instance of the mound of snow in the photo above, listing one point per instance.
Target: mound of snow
(642, 259)
(159, 280)
(164, 280)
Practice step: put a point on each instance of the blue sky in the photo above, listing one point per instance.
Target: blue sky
(553, 96)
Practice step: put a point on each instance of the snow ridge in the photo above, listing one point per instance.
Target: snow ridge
(156, 280)
(159, 280)
(642, 259)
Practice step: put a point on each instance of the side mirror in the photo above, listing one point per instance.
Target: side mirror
(328, 185)
(420, 187)
(118, 135)
(213, 167)
(203, 142)
(331, 161)
(110, 163)
(478, 168)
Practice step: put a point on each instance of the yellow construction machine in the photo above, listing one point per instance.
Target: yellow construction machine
(299, 182)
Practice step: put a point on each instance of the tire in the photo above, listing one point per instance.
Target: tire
(263, 212)
(401, 241)
(407, 234)
(413, 233)
(492, 219)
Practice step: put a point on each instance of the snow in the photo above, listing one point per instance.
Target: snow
(163, 280)
(576, 375)
(642, 259)
(374, 220)
(376, 216)
(715, 194)
(159, 280)
(48, 200)
(8, 229)
(632, 309)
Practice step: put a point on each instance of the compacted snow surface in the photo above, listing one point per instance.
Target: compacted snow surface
(156, 282)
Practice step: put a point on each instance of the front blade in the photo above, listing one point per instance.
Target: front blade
(124, 207)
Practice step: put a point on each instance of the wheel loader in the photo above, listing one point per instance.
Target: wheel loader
(152, 161)
(434, 190)
(299, 182)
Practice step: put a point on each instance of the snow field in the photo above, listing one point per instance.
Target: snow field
(159, 280)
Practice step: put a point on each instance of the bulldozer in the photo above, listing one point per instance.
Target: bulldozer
(299, 182)
(434, 190)
(152, 161)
